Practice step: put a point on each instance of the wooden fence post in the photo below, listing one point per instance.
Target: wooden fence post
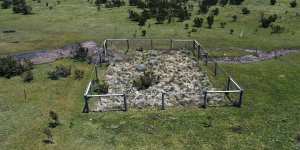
(205, 99)
(86, 105)
(198, 51)
(215, 69)
(163, 101)
(151, 43)
(241, 98)
(125, 103)
(206, 59)
(127, 44)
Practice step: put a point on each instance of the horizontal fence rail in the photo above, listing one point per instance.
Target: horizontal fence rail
(199, 52)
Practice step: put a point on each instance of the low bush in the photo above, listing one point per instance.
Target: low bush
(60, 71)
(101, 87)
(293, 3)
(27, 76)
(146, 80)
(78, 74)
(10, 67)
(277, 29)
(245, 11)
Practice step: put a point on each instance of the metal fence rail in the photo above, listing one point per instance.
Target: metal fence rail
(199, 53)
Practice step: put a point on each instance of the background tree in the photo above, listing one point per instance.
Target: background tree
(6, 4)
(293, 3)
(198, 22)
(273, 2)
(210, 20)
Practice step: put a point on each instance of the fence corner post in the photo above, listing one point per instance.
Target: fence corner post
(86, 105)
(205, 100)
(206, 59)
(215, 69)
(241, 98)
(163, 101)
(125, 103)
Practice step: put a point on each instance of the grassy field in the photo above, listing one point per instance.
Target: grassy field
(76, 20)
(269, 118)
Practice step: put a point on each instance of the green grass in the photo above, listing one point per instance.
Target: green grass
(76, 20)
(269, 118)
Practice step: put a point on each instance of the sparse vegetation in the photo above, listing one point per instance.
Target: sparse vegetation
(59, 72)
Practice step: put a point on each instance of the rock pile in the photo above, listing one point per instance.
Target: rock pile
(180, 78)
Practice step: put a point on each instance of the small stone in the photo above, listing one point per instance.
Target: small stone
(140, 67)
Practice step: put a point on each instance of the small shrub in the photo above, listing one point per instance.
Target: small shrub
(210, 21)
(54, 119)
(60, 71)
(6, 4)
(186, 26)
(231, 31)
(194, 30)
(144, 32)
(27, 76)
(222, 24)
(101, 87)
(277, 29)
(198, 22)
(78, 74)
(146, 80)
(293, 3)
(10, 67)
(273, 2)
(245, 11)
(234, 18)
(215, 11)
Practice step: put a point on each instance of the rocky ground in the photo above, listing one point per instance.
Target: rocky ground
(180, 78)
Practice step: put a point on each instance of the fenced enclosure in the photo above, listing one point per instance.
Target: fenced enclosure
(223, 82)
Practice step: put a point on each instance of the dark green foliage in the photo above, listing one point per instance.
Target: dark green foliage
(133, 15)
(54, 122)
(245, 11)
(277, 28)
(236, 2)
(234, 18)
(223, 2)
(293, 3)
(27, 76)
(161, 10)
(78, 74)
(60, 71)
(6, 4)
(231, 31)
(10, 67)
(210, 21)
(146, 80)
(215, 11)
(144, 32)
(267, 21)
(114, 3)
(198, 22)
(20, 6)
(80, 54)
(186, 26)
(222, 24)
(273, 2)
(100, 87)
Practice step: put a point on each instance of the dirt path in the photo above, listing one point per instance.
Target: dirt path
(48, 56)
(255, 57)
